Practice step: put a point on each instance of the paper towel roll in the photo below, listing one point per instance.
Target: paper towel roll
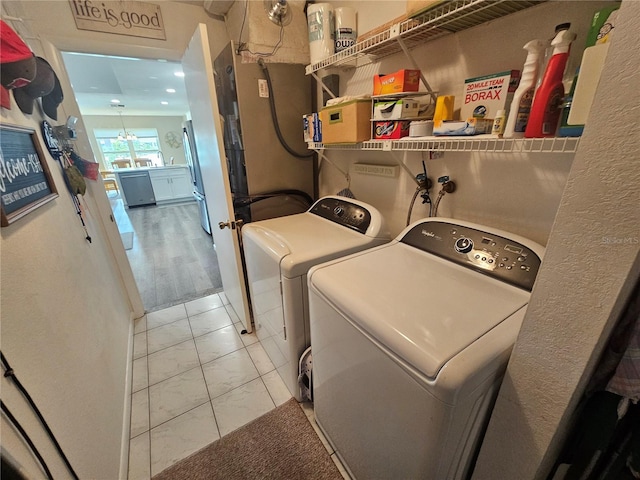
(346, 27)
(321, 31)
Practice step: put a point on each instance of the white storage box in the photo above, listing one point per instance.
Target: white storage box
(394, 109)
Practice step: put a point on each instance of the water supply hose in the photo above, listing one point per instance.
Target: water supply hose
(274, 115)
(413, 200)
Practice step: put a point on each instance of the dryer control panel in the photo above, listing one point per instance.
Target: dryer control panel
(344, 213)
(493, 255)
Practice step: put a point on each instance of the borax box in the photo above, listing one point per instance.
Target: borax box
(484, 96)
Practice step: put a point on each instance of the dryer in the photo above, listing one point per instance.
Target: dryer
(278, 254)
(410, 343)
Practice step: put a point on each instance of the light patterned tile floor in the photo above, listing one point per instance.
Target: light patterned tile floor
(197, 378)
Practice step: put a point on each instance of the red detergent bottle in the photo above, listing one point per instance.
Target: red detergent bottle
(545, 110)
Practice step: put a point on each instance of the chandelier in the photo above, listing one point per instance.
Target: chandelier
(125, 135)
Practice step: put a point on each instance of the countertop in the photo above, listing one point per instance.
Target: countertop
(144, 169)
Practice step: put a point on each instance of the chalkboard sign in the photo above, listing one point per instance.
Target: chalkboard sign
(25, 180)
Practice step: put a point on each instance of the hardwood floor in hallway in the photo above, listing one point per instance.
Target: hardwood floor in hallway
(172, 258)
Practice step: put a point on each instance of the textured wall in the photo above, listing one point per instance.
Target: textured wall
(589, 268)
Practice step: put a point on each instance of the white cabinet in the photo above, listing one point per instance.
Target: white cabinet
(171, 184)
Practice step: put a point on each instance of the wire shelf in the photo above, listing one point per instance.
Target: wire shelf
(457, 144)
(453, 16)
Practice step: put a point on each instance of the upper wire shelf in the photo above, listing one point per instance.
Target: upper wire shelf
(451, 17)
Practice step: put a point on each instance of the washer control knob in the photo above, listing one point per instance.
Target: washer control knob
(463, 245)
(339, 211)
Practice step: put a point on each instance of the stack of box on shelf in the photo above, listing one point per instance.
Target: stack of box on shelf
(392, 109)
(386, 115)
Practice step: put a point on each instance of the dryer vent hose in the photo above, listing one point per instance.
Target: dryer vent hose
(274, 116)
(246, 200)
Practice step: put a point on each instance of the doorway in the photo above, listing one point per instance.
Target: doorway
(134, 109)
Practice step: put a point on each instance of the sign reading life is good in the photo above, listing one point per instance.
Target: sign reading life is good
(25, 180)
(137, 19)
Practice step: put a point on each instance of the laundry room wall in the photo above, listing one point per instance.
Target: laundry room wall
(66, 327)
(591, 266)
(519, 193)
(162, 124)
(66, 315)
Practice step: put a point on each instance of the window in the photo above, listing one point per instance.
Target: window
(145, 145)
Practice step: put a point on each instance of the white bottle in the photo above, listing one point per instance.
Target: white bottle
(498, 123)
(523, 96)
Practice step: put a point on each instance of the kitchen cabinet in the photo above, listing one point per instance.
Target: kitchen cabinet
(171, 184)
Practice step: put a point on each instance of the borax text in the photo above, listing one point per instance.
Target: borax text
(494, 89)
(86, 9)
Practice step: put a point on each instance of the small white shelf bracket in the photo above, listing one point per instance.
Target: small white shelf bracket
(322, 156)
(324, 87)
(407, 53)
(403, 164)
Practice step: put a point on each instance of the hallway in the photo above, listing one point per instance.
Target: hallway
(172, 258)
(196, 379)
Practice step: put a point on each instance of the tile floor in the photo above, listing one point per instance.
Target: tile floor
(195, 379)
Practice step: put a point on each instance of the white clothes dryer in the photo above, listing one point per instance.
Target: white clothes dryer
(278, 254)
(410, 343)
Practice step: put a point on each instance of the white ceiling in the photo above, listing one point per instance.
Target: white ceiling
(138, 84)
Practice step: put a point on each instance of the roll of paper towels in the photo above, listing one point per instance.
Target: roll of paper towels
(346, 28)
(321, 31)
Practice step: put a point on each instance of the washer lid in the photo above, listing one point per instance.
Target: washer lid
(423, 308)
(304, 240)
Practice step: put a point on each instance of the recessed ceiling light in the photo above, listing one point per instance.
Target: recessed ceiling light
(115, 100)
(179, 74)
(153, 78)
(171, 90)
(93, 88)
(164, 103)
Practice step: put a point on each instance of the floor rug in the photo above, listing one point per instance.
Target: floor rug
(127, 240)
(278, 445)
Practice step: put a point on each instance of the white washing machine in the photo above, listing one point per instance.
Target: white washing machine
(410, 343)
(278, 254)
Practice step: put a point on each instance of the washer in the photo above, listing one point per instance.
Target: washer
(278, 254)
(410, 343)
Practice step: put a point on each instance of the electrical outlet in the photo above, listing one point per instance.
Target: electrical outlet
(378, 170)
(263, 88)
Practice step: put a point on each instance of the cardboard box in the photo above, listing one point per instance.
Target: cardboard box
(418, 7)
(391, 130)
(484, 96)
(398, 82)
(384, 27)
(346, 122)
(456, 128)
(312, 128)
(395, 109)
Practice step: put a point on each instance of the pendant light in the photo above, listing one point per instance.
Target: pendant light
(125, 135)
